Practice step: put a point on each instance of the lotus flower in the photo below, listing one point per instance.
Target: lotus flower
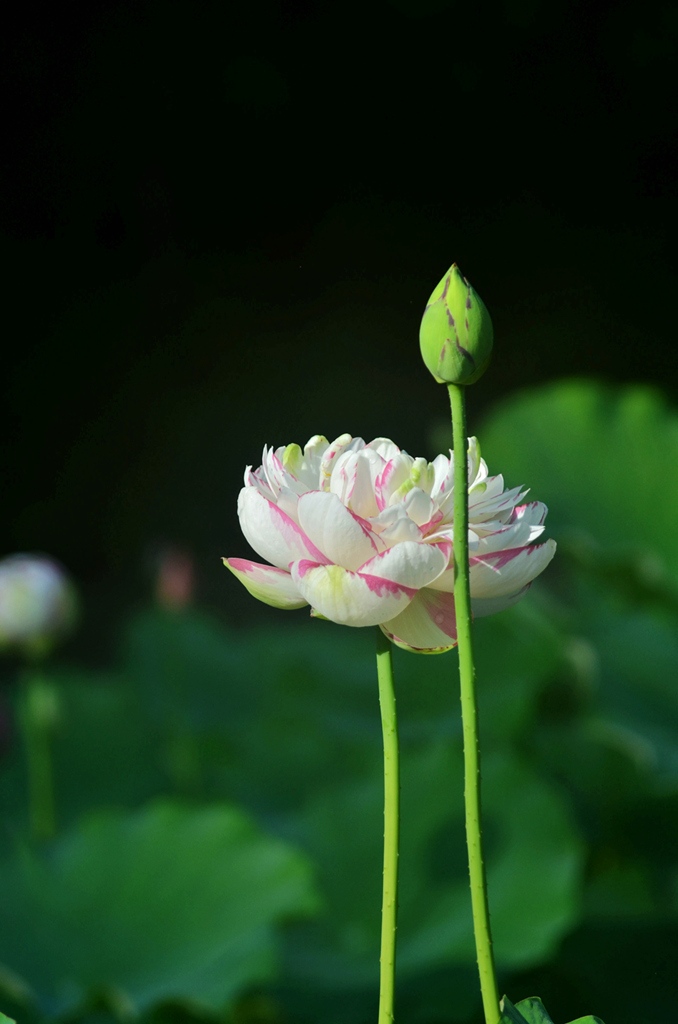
(37, 603)
(364, 534)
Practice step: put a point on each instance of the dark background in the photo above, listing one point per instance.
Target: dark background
(221, 224)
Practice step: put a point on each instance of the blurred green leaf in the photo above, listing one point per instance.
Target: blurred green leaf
(169, 901)
(600, 457)
(265, 705)
(104, 750)
(288, 722)
(534, 863)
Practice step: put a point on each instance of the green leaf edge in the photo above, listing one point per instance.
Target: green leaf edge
(511, 1014)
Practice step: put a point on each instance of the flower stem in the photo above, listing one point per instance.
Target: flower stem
(389, 909)
(469, 713)
(37, 711)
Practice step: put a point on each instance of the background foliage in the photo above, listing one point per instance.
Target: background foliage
(219, 790)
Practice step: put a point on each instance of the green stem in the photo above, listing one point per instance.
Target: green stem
(37, 715)
(469, 713)
(389, 909)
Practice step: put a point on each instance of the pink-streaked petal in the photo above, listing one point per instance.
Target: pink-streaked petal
(361, 499)
(394, 526)
(505, 572)
(342, 480)
(445, 533)
(393, 475)
(353, 479)
(413, 650)
(385, 448)
(443, 487)
(349, 598)
(271, 532)
(258, 480)
(314, 450)
(524, 526)
(330, 455)
(486, 489)
(272, 468)
(288, 501)
(344, 538)
(302, 469)
(445, 581)
(427, 625)
(290, 483)
(272, 586)
(430, 526)
(477, 469)
(487, 509)
(442, 481)
(419, 506)
(410, 564)
(481, 606)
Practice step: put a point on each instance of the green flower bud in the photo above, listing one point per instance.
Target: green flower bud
(456, 331)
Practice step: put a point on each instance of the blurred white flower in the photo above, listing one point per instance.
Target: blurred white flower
(364, 533)
(37, 603)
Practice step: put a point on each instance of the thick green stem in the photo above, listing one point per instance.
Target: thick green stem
(389, 908)
(37, 716)
(469, 713)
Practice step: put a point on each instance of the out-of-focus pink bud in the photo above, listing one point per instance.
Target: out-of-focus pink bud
(175, 582)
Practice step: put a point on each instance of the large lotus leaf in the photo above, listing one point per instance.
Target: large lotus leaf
(318, 702)
(167, 902)
(602, 458)
(637, 668)
(265, 705)
(618, 753)
(184, 662)
(534, 862)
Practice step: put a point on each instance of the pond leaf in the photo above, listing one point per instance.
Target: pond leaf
(167, 902)
(599, 456)
(534, 863)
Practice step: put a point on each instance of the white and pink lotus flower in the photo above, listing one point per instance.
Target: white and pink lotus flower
(38, 604)
(364, 534)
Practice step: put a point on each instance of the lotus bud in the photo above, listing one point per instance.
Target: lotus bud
(175, 583)
(456, 331)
